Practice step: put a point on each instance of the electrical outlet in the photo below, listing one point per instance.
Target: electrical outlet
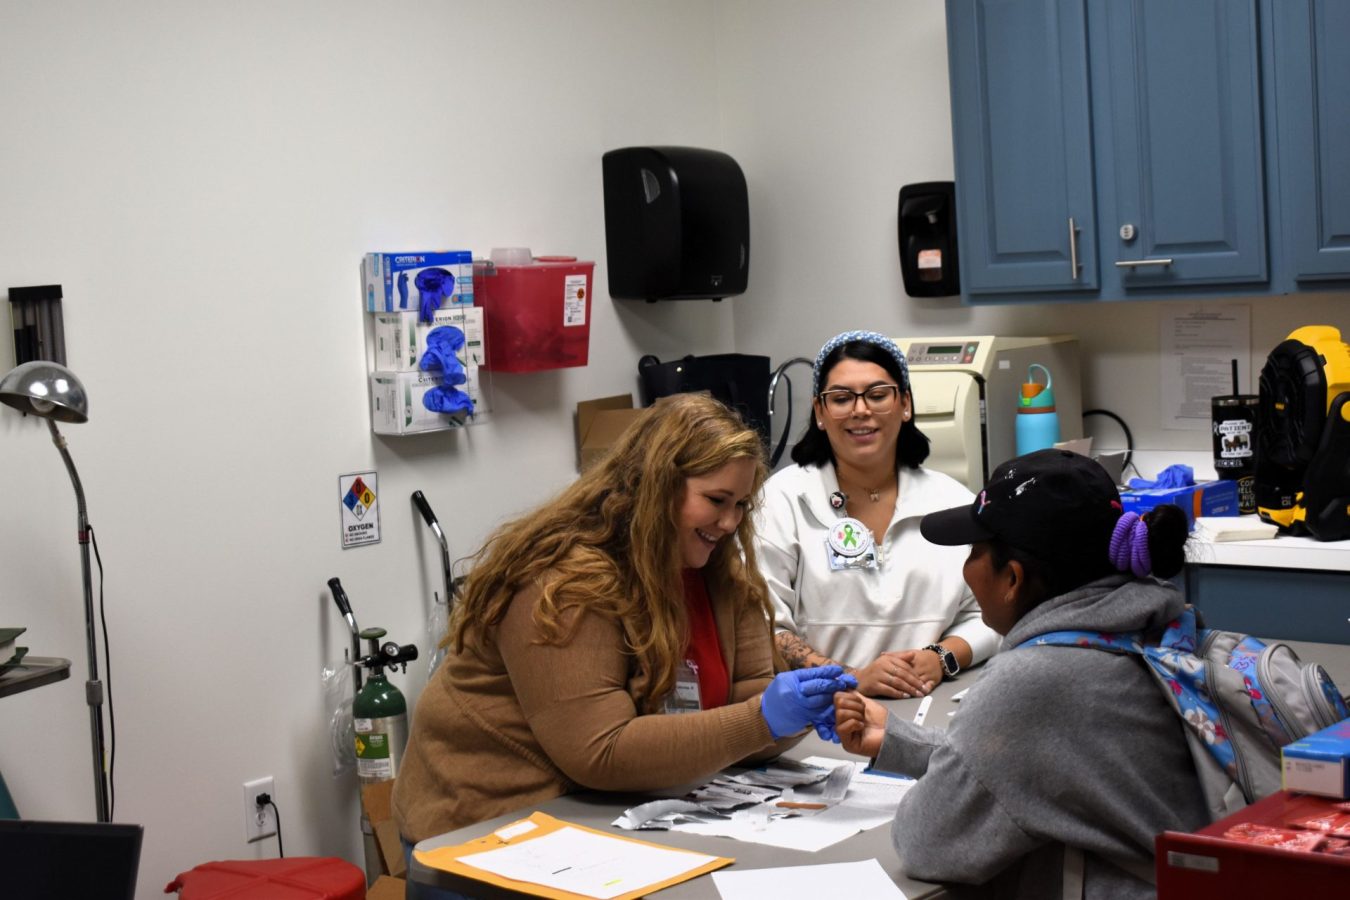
(259, 821)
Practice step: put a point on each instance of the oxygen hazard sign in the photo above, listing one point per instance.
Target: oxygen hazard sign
(360, 509)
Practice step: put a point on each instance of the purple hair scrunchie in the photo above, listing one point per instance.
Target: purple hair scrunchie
(1129, 546)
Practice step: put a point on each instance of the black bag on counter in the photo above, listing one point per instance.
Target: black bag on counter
(738, 380)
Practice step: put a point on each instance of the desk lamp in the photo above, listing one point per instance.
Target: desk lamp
(51, 391)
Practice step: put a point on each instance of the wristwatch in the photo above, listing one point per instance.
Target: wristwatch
(948, 659)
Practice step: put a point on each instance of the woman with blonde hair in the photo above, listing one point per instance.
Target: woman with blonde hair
(617, 638)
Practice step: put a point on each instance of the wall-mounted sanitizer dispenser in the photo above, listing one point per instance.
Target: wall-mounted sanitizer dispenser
(927, 234)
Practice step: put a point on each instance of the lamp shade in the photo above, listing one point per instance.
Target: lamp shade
(45, 389)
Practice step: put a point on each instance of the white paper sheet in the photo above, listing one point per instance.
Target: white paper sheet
(589, 864)
(1195, 353)
(852, 879)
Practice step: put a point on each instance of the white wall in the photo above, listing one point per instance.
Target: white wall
(203, 179)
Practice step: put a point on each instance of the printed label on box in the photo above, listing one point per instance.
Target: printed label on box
(574, 300)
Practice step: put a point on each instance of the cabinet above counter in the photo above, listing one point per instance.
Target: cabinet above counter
(1143, 148)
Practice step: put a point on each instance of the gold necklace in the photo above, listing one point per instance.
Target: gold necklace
(874, 494)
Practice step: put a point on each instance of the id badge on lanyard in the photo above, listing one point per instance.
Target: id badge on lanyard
(686, 697)
(850, 546)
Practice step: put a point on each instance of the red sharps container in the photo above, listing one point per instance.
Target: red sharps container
(536, 310)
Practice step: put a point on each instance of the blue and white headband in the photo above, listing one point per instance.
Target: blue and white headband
(867, 337)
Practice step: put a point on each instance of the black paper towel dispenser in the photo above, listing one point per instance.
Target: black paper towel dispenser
(677, 224)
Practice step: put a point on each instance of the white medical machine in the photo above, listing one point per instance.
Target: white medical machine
(966, 391)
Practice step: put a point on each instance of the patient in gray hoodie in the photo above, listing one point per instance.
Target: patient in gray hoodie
(1062, 764)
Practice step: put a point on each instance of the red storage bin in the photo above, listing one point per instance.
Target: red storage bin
(536, 316)
(1207, 864)
(296, 878)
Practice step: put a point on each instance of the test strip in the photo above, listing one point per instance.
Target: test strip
(923, 709)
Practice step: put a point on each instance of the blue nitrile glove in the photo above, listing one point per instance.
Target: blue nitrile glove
(402, 290)
(825, 724)
(433, 286)
(443, 344)
(802, 697)
(1174, 476)
(447, 399)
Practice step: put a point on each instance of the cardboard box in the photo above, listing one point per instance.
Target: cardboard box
(375, 802)
(396, 405)
(1207, 864)
(1206, 498)
(599, 424)
(391, 278)
(401, 337)
(1319, 763)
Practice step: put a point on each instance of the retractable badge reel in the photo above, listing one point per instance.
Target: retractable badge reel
(850, 546)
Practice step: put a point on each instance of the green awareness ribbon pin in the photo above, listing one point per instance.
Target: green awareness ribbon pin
(850, 539)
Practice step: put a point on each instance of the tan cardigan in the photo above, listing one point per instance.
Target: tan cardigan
(525, 722)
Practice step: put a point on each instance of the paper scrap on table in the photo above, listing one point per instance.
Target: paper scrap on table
(593, 865)
(852, 879)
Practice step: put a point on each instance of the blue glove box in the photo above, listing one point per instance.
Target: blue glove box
(1206, 498)
(392, 279)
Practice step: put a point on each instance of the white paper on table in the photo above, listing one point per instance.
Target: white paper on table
(593, 865)
(852, 879)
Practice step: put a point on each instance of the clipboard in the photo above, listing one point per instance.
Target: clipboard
(447, 859)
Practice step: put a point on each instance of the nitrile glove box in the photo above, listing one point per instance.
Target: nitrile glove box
(392, 279)
(401, 337)
(1205, 498)
(1319, 763)
(396, 405)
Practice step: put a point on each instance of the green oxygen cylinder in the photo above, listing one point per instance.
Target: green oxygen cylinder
(380, 717)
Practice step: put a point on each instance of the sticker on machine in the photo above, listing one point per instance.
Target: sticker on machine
(360, 509)
(574, 300)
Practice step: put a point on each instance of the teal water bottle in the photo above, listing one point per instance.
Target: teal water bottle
(1037, 421)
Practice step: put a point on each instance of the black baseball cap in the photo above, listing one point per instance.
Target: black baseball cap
(1053, 504)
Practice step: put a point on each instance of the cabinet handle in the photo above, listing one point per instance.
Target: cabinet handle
(1138, 263)
(1074, 267)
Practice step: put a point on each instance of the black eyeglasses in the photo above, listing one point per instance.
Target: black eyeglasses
(879, 398)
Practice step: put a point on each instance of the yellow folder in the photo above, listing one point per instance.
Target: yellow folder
(447, 859)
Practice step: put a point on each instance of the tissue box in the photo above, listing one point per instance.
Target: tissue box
(401, 337)
(1320, 762)
(1207, 498)
(396, 405)
(391, 277)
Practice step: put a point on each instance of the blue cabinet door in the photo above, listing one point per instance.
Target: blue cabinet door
(1021, 123)
(1184, 120)
(1312, 90)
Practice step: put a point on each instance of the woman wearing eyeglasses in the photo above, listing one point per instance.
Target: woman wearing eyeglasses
(852, 580)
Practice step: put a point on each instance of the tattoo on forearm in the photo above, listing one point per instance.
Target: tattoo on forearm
(801, 655)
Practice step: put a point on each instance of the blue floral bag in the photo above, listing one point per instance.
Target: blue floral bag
(1241, 699)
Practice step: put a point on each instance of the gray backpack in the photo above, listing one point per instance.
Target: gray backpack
(1240, 698)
